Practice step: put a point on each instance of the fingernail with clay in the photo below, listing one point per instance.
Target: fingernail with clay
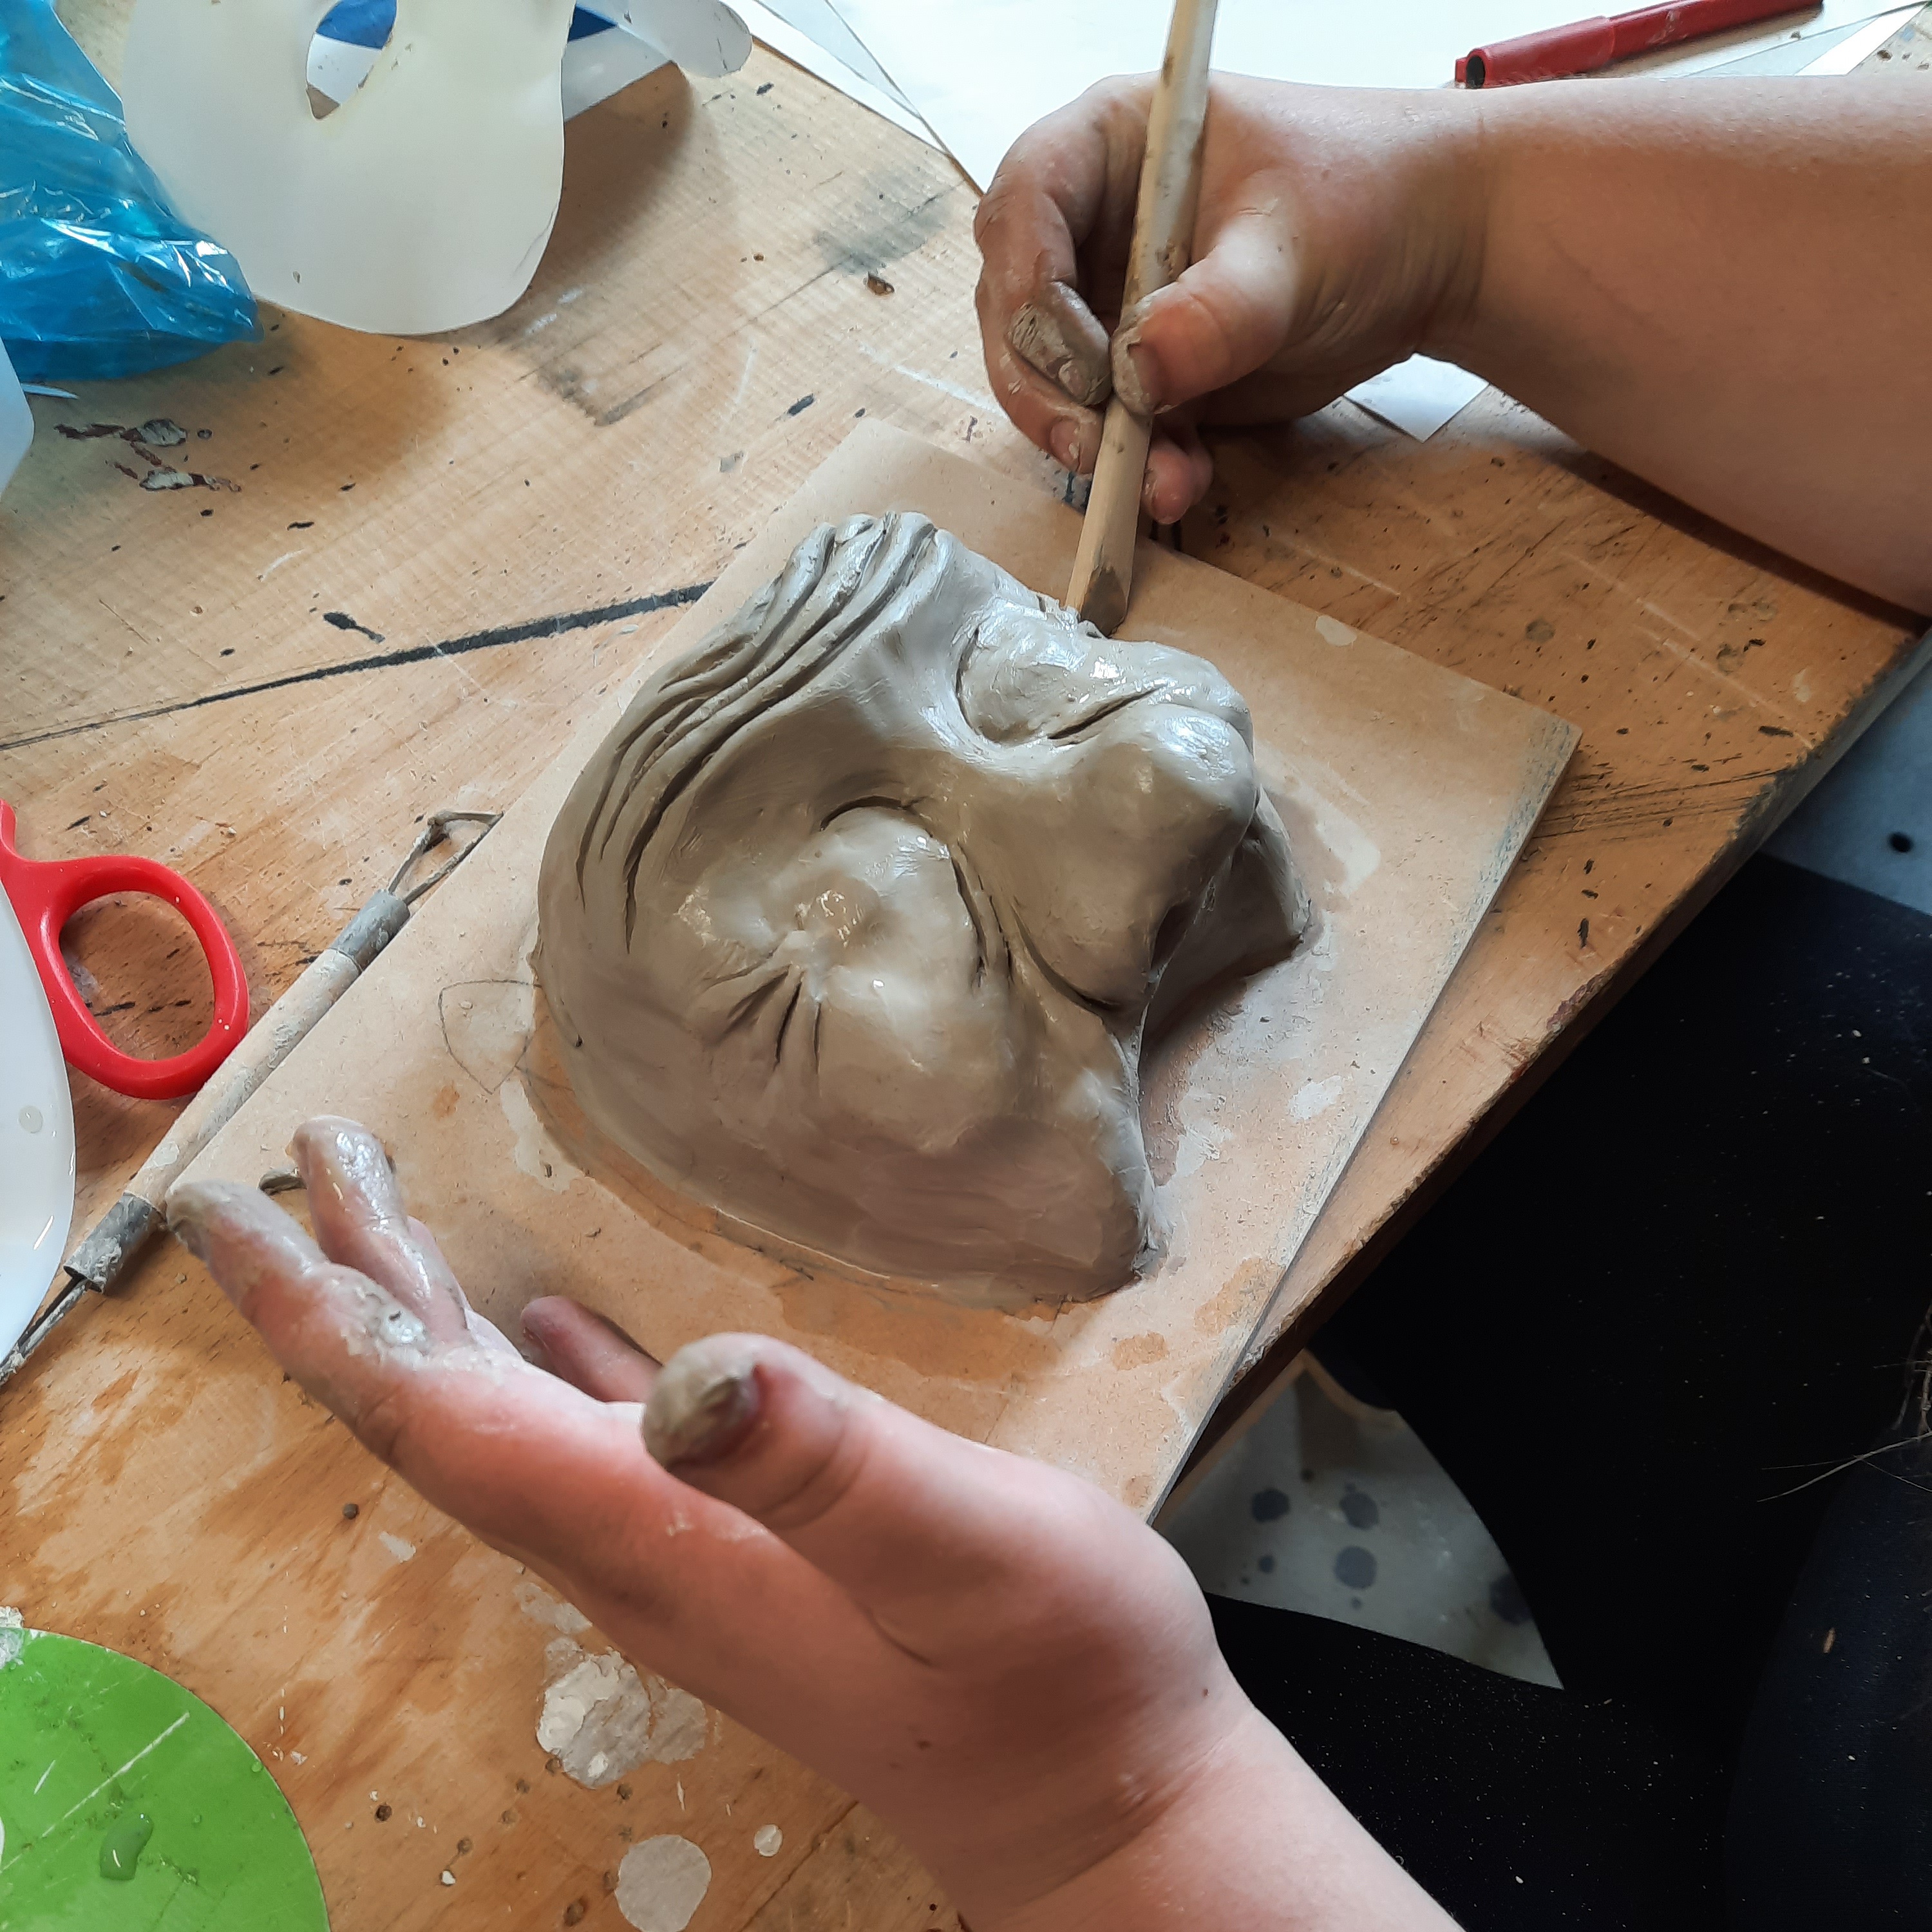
(345, 1157)
(235, 1232)
(1064, 438)
(1056, 335)
(706, 1403)
(1137, 374)
(186, 1207)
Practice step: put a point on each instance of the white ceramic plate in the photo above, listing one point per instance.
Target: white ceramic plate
(36, 1137)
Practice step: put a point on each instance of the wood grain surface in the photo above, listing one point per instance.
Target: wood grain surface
(411, 568)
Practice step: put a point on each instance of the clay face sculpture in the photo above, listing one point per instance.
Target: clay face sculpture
(854, 926)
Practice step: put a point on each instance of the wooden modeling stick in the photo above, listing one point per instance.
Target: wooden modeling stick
(1103, 570)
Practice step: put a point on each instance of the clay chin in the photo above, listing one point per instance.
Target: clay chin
(854, 926)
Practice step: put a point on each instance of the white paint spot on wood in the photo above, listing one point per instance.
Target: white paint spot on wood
(1331, 631)
(603, 1718)
(978, 398)
(1320, 797)
(1201, 1136)
(1358, 854)
(13, 1635)
(535, 1154)
(766, 1840)
(399, 1547)
(1316, 1097)
(662, 1883)
(537, 1602)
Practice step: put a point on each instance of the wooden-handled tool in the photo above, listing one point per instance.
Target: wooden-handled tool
(110, 1249)
(1103, 570)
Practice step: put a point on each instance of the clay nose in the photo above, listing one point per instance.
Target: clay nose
(1103, 858)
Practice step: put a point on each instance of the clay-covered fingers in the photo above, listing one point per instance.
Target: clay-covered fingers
(341, 1333)
(1053, 332)
(356, 1208)
(1224, 318)
(554, 1476)
(587, 1351)
(940, 1539)
(1053, 228)
(532, 1464)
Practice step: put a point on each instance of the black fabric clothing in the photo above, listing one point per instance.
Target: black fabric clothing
(1679, 1291)
(1520, 1809)
(1831, 1813)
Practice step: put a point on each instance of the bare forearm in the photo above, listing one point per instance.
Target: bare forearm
(1723, 286)
(1257, 1842)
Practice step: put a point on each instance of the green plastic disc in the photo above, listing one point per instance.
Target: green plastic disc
(126, 1805)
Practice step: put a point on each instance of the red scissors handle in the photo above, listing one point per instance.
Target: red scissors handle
(45, 896)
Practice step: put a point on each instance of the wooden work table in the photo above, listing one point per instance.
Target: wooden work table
(406, 568)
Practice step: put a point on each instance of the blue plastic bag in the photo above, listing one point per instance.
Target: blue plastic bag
(369, 23)
(98, 276)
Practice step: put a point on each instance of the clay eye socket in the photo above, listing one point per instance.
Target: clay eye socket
(1027, 674)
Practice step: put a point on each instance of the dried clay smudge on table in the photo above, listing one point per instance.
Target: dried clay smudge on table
(602, 1718)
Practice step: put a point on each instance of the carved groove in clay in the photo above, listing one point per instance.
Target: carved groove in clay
(854, 926)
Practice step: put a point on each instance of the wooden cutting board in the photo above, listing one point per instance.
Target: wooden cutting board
(1407, 791)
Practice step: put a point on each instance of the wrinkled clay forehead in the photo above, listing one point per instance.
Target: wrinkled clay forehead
(845, 586)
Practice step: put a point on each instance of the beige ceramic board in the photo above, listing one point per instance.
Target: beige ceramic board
(1407, 791)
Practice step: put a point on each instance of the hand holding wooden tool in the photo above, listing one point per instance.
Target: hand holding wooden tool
(1170, 191)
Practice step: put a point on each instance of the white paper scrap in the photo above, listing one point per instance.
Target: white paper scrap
(1768, 46)
(1418, 396)
(801, 50)
(1857, 46)
(821, 23)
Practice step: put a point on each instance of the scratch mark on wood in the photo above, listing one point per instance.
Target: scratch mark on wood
(537, 627)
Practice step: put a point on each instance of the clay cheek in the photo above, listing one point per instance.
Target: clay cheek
(873, 891)
(907, 1033)
(922, 1061)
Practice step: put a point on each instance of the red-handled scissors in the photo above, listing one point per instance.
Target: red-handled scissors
(45, 896)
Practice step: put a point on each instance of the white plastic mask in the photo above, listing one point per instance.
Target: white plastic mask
(423, 203)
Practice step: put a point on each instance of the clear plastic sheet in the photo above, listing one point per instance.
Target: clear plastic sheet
(98, 276)
(16, 422)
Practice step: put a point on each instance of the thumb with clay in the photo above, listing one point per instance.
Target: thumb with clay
(1011, 1667)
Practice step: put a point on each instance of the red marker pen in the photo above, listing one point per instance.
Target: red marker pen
(1586, 45)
